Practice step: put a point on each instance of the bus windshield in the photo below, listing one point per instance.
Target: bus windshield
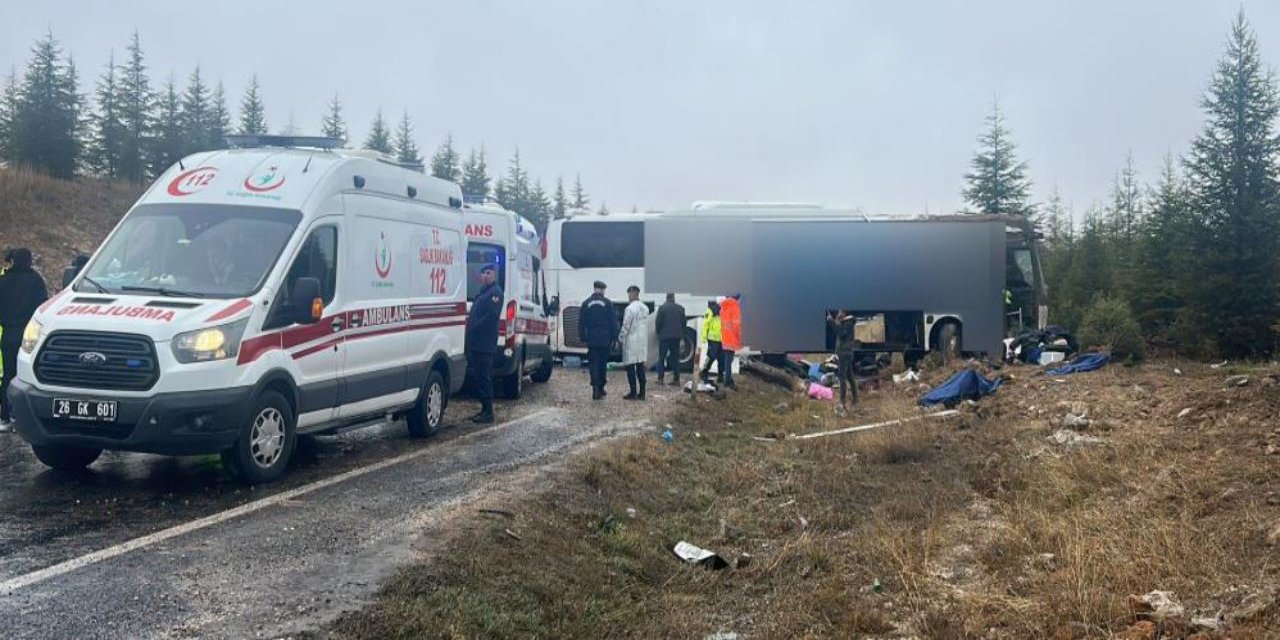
(602, 244)
(207, 251)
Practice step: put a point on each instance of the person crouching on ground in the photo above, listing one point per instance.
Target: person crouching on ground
(635, 342)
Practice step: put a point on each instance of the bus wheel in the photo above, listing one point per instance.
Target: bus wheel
(265, 446)
(688, 342)
(65, 457)
(543, 372)
(425, 418)
(513, 384)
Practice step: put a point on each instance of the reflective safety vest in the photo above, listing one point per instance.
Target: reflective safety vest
(731, 324)
(711, 327)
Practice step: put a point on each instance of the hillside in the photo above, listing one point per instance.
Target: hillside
(58, 218)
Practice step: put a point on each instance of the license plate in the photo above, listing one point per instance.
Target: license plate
(85, 410)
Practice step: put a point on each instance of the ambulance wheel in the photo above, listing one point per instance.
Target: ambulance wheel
(265, 446)
(513, 384)
(427, 415)
(543, 372)
(65, 457)
(688, 342)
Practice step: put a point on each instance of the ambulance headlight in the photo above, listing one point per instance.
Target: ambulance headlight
(31, 335)
(213, 343)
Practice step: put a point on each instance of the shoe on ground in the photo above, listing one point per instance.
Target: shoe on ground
(596, 395)
(630, 396)
(6, 426)
(483, 418)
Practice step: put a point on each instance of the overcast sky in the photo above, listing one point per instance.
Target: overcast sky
(870, 103)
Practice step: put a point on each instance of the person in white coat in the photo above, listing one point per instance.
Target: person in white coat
(635, 342)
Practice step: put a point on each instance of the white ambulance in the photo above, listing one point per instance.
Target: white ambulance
(506, 239)
(252, 295)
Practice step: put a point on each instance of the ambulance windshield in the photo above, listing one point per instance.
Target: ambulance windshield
(207, 251)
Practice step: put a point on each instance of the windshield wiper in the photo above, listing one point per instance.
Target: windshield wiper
(100, 288)
(168, 293)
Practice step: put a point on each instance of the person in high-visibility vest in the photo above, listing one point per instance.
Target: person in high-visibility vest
(731, 336)
(711, 333)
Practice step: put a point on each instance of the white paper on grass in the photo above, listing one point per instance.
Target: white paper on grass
(690, 553)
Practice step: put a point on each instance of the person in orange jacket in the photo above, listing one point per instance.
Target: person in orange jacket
(730, 335)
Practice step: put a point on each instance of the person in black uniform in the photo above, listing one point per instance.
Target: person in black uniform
(482, 341)
(22, 291)
(598, 328)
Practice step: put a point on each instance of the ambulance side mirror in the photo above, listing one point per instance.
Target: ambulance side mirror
(307, 303)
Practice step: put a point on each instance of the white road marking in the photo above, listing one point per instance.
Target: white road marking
(13, 584)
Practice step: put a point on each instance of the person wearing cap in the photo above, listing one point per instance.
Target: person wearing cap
(598, 329)
(731, 336)
(482, 341)
(22, 291)
(635, 342)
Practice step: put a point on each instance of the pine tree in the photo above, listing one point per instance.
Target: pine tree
(46, 130)
(1126, 204)
(513, 190)
(538, 206)
(167, 145)
(998, 181)
(604, 210)
(196, 117)
(108, 132)
(406, 149)
(580, 199)
(475, 175)
(219, 119)
(1232, 174)
(559, 203)
(332, 126)
(138, 112)
(444, 164)
(1089, 274)
(8, 113)
(290, 127)
(379, 135)
(1053, 220)
(1163, 249)
(253, 113)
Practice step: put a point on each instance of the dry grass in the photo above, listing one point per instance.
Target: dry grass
(975, 528)
(57, 219)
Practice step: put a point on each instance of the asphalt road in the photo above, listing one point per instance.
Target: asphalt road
(154, 547)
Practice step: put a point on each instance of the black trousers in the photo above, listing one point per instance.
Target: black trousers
(635, 374)
(669, 357)
(480, 373)
(9, 353)
(598, 361)
(844, 373)
(714, 351)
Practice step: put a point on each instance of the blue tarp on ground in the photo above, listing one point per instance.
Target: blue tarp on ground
(965, 385)
(1085, 362)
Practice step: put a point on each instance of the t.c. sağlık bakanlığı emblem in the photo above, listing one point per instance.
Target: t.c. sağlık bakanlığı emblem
(269, 180)
(382, 257)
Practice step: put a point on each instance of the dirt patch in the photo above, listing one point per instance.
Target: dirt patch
(976, 527)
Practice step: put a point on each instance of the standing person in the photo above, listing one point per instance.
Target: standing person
(731, 335)
(482, 341)
(712, 333)
(635, 342)
(670, 328)
(598, 329)
(844, 327)
(22, 291)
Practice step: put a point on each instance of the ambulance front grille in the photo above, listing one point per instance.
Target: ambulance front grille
(127, 363)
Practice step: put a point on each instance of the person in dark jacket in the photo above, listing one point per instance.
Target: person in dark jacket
(22, 291)
(598, 328)
(482, 341)
(844, 327)
(670, 325)
(77, 264)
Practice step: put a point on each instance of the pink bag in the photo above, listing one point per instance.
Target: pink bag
(819, 392)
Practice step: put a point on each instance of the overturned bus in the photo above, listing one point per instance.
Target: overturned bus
(953, 283)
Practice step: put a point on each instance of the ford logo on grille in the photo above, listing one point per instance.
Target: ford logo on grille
(93, 359)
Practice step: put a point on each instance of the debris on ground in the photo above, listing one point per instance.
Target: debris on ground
(1184, 413)
(1237, 381)
(722, 635)
(965, 385)
(1254, 606)
(822, 434)
(907, 376)
(1219, 365)
(1156, 606)
(697, 555)
(819, 392)
(1072, 439)
(1079, 422)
